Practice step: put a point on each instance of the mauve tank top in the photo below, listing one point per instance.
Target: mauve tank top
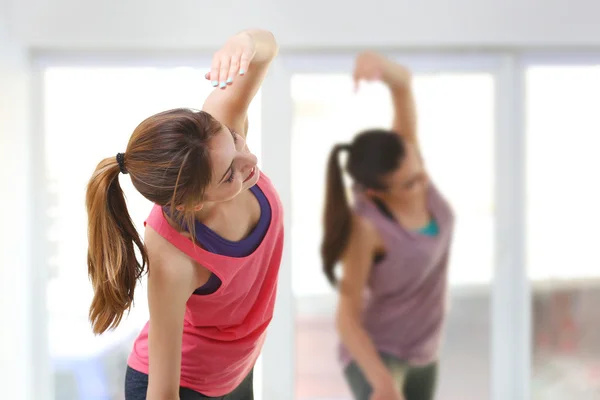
(406, 298)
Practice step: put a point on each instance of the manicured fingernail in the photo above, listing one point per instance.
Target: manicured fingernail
(242, 72)
(229, 80)
(223, 84)
(215, 83)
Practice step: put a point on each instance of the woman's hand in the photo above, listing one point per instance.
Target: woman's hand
(369, 66)
(248, 53)
(386, 389)
(231, 60)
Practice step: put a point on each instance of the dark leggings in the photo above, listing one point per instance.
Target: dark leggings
(418, 383)
(136, 385)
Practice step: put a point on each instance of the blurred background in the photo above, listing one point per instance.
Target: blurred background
(508, 96)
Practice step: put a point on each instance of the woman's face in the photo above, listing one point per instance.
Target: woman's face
(234, 167)
(409, 180)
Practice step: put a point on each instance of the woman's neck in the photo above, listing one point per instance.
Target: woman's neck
(404, 206)
(209, 211)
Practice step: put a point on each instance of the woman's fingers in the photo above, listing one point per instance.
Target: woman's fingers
(224, 70)
(245, 59)
(234, 68)
(214, 70)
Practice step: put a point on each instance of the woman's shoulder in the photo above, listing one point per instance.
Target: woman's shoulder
(169, 261)
(438, 202)
(162, 252)
(433, 192)
(363, 225)
(365, 230)
(264, 179)
(269, 190)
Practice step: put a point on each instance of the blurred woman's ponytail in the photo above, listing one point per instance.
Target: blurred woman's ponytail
(337, 216)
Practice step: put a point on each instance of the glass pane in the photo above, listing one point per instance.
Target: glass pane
(456, 130)
(89, 114)
(563, 213)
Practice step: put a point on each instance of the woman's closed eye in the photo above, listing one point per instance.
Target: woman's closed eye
(231, 176)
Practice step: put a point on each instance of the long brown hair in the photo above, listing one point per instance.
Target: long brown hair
(371, 155)
(168, 160)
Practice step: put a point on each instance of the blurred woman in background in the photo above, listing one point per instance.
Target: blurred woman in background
(394, 244)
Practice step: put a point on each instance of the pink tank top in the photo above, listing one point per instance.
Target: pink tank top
(223, 332)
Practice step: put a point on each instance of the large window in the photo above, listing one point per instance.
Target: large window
(563, 194)
(456, 130)
(89, 114)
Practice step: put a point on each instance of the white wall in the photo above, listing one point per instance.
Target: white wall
(16, 367)
(192, 24)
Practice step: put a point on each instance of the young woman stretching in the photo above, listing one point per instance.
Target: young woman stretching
(393, 244)
(212, 245)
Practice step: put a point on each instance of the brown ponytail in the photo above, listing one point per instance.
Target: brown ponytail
(337, 217)
(112, 264)
(371, 155)
(168, 160)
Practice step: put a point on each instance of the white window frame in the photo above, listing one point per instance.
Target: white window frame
(516, 69)
(511, 297)
(559, 58)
